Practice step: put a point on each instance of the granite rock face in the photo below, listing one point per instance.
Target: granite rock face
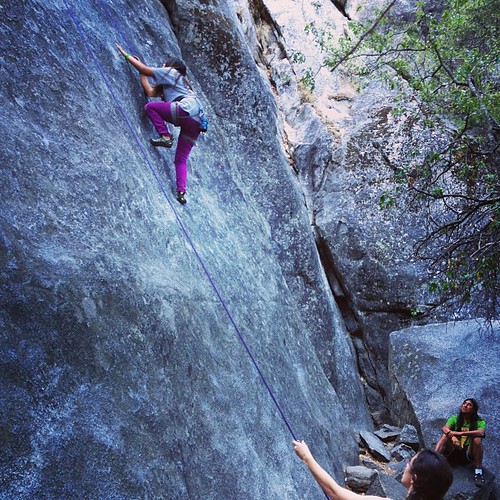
(122, 371)
(345, 145)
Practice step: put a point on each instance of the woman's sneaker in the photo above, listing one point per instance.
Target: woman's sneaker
(181, 197)
(165, 142)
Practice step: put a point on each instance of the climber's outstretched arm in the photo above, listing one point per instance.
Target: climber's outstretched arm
(135, 62)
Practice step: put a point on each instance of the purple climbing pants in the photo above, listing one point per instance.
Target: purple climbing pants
(160, 112)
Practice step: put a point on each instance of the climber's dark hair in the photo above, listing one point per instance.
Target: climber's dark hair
(473, 418)
(431, 475)
(176, 63)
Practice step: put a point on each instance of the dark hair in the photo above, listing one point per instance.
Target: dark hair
(473, 418)
(431, 475)
(174, 62)
(177, 64)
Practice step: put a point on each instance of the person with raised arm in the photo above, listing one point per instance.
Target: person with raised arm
(427, 476)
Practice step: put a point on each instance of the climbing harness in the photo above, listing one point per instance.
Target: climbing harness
(179, 221)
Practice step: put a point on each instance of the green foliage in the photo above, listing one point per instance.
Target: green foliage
(386, 201)
(298, 58)
(308, 79)
(415, 312)
(446, 64)
(286, 79)
(317, 6)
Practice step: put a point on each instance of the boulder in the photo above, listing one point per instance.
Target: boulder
(387, 487)
(358, 478)
(371, 463)
(388, 433)
(435, 367)
(409, 437)
(402, 452)
(375, 446)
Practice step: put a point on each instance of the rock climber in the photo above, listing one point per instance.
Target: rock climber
(179, 106)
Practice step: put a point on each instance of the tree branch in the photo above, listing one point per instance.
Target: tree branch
(364, 35)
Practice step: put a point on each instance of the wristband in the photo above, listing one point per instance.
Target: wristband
(127, 56)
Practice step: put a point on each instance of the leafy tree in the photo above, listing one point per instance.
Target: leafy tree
(446, 65)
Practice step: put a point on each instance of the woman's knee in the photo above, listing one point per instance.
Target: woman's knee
(477, 442)
(443, 444)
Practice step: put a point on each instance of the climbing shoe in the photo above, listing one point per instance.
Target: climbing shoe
(478, 480)
(181, 197)
(164, 142)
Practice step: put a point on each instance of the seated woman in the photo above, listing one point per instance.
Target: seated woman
(462, 439)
